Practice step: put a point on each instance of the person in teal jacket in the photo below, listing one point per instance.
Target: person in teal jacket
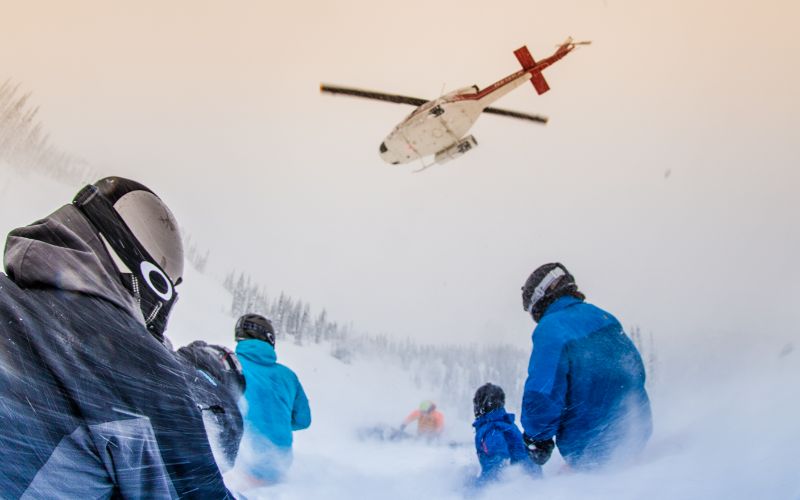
(275, 404)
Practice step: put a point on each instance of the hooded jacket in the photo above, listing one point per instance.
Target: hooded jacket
(93, 406)
(498, 442)
(585, 385)
(276, 402)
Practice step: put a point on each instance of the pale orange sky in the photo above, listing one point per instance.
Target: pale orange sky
(216, 106)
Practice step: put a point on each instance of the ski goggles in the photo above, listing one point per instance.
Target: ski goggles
(541, 289)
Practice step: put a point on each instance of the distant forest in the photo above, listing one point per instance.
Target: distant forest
(452, 370)
(26, 146)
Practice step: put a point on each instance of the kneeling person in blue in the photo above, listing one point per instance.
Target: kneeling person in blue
(276, 404)
(585, 389)
(498, 441)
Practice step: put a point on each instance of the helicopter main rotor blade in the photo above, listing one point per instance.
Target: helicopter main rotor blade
(415, 101)
(516, 114)
(368, 94)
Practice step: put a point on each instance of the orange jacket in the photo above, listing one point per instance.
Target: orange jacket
(429, 423)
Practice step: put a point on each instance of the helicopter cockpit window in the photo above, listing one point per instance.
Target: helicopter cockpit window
(422, 109)
(436, 111)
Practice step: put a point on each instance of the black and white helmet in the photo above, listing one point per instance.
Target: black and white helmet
(255, 326)
(544, 286)
(488, 397)
(143, 239)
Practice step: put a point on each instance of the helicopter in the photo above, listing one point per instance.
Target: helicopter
(438, 127)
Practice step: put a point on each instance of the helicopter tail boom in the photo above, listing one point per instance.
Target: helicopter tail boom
(526, 60)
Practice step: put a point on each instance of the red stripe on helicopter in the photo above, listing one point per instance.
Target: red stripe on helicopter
(488, 90)
(528, 63)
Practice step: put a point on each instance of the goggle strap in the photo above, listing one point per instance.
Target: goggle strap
(541, 288)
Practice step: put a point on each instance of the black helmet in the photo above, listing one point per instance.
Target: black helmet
(544, 286)
(487, 398)
(255, 326)
(143, 239)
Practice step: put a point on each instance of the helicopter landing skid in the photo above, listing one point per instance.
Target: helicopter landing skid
(424, 167)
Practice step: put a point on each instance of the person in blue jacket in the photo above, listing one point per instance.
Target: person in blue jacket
(276, 404)
(498, 441)
(585, 389)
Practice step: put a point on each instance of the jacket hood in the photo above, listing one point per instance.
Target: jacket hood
(256, 351)
(63, 251)
(498, 415)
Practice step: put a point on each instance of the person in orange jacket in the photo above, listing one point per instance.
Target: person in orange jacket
(430, 421)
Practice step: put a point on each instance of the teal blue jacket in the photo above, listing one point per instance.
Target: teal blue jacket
(276, 402)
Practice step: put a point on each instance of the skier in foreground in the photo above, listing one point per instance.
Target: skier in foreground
(276, 404)
(585, 385)
(498, 441)
(94, 405)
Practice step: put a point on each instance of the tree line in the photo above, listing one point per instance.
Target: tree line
(453, 371)
(25, 145)
(290, 317)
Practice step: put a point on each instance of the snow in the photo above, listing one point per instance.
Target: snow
(734, 437)
(726, 410)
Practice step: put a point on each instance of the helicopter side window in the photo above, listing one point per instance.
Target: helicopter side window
(436, 110)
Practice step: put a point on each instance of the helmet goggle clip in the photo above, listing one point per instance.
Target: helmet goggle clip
(542, 287)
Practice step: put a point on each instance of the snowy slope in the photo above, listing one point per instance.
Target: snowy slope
(725, 413)
(331, 461)
(726, 427)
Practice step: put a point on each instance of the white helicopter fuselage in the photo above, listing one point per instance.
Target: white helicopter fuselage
(442, 123)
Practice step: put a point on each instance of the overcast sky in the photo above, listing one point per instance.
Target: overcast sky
(666, 180)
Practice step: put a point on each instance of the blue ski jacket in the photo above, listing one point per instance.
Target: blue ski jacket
(585, 385)
(276, 402)
(498, 442)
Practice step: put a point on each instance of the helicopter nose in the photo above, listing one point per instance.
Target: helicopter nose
(386, 155)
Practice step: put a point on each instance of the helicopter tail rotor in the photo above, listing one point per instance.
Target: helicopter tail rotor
(526, 60)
